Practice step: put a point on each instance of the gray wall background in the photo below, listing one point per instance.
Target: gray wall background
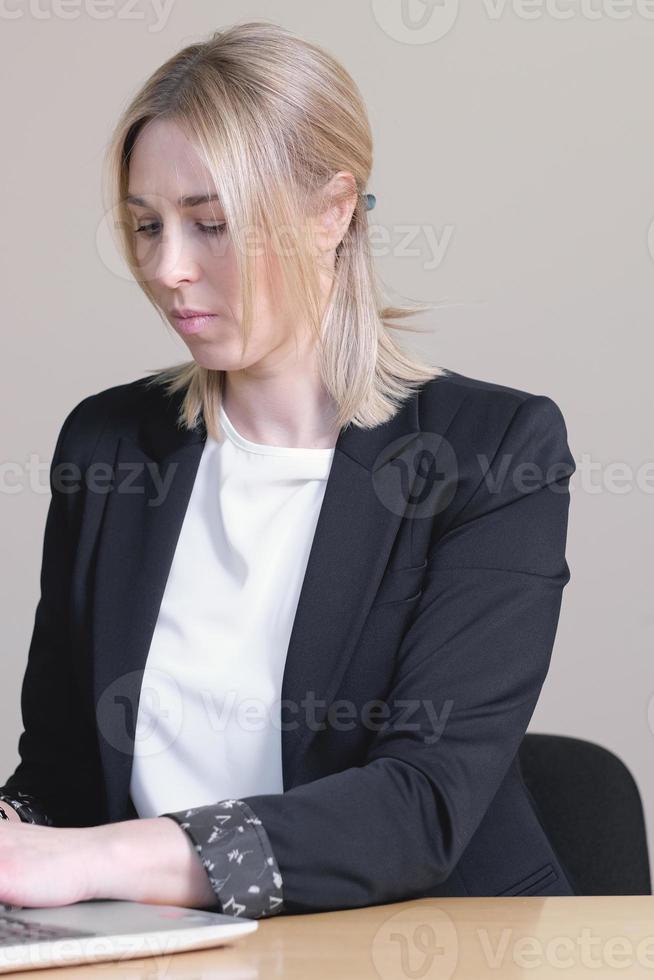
(514, 176)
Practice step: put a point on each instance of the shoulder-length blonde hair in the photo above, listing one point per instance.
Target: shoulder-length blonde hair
(273, 117)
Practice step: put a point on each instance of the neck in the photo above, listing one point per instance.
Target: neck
(285, 410)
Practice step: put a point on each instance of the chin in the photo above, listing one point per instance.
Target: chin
(214, 360)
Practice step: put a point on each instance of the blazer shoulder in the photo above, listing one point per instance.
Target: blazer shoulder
(461, 402)
(498, 441)
(119, 406)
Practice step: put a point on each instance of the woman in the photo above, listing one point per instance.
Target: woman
(301, 519)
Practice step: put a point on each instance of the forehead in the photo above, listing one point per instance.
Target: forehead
(165, 163)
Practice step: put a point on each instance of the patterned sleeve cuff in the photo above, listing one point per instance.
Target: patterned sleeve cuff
(27, 807)
(236, 854)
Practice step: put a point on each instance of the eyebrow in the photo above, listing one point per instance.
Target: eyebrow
(190, 201)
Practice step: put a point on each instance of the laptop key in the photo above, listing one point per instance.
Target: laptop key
(14, 931)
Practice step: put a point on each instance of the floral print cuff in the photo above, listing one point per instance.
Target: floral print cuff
(236, 854)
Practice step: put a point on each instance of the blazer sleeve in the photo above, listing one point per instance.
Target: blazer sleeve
(474, 658)
(58, 779)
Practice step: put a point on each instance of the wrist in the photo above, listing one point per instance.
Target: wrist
(148, 860)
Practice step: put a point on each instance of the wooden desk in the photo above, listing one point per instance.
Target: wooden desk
(459, 938)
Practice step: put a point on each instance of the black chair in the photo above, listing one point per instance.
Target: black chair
(590, 808)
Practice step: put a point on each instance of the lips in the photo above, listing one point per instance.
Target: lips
(186, 314)
(189, 322)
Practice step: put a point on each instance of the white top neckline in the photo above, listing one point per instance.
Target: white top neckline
(264, 449)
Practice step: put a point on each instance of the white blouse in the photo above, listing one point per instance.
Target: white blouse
(208, 724)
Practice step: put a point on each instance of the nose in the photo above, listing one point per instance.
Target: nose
(174, 260)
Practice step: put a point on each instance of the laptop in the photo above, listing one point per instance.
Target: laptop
(99, 929)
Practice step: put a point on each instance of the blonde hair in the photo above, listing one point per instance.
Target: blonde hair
(273, 117)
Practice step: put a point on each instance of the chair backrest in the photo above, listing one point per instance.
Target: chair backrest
(590, 808)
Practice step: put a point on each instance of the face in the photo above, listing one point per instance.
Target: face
(185, 253)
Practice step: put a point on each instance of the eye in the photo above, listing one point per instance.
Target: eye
(152, 229)
(147, 230)
(213, 229)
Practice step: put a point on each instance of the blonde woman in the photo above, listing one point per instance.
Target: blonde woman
(299, 593)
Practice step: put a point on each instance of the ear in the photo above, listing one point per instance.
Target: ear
(339, 198)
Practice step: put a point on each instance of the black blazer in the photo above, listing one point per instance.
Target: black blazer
(432, 591)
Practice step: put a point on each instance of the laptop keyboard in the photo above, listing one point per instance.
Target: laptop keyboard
(16, 932)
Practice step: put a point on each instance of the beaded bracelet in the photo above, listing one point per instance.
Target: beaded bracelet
(27, 808)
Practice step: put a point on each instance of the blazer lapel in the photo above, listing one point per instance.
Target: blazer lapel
(153, 479)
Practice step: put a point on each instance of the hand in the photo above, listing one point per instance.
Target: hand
(144, 860)
(44, 866)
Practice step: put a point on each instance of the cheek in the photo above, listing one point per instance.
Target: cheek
(146, 257)
(222, 276)
(221, 271)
